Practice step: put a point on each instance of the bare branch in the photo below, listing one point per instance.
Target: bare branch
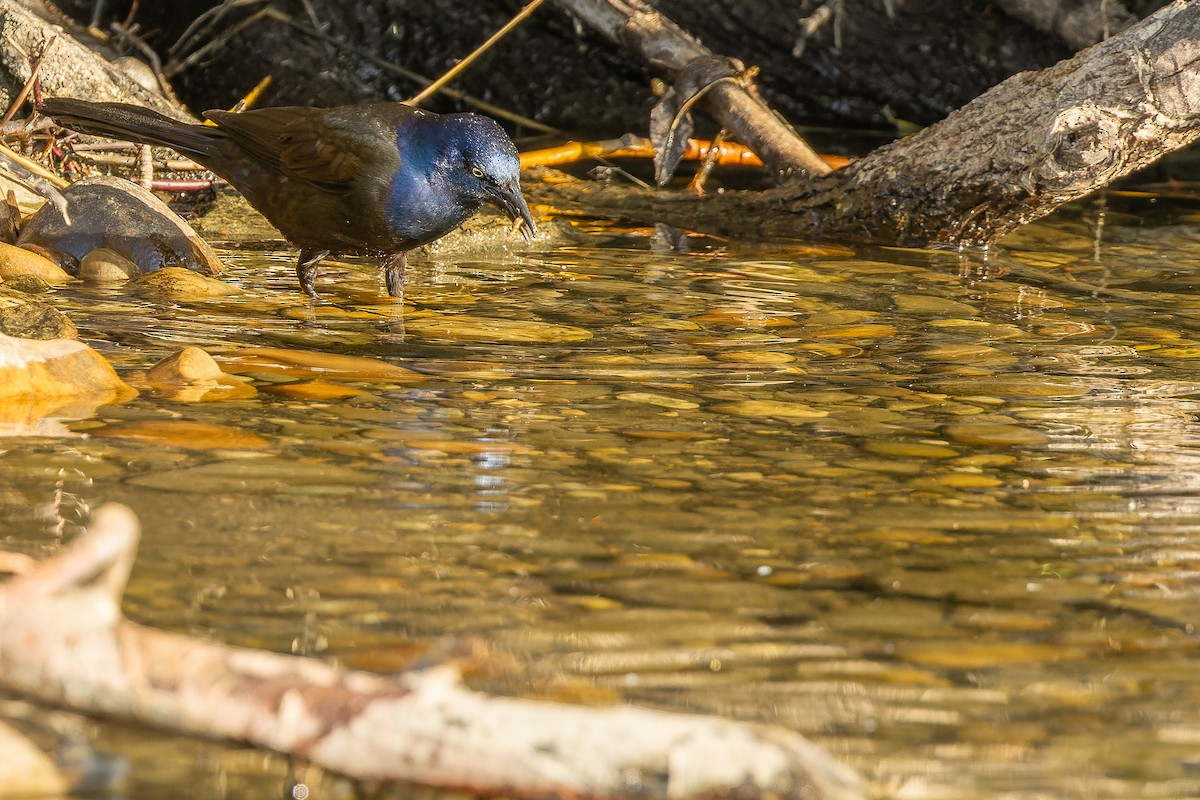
(63, 641)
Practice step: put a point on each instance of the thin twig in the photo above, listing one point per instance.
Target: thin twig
(34, 68)
(202, 24)
(32, 167)
(458, 68)
(217, 43)
(482, 105)
(710, 161)
(130, 36)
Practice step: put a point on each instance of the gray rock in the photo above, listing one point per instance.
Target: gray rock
(125, 218)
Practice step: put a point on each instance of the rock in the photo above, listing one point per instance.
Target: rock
(42, 381)
(185, 435)
(191, 376)
(27, 284)
(314, 390)
(123, 217)
(18, 262)
(54, 368)
(307, 364)
(175, 283)
(36, 321)
(189, 365)
(771, 408)
(64, 261)
(461, 327)
(106, 266)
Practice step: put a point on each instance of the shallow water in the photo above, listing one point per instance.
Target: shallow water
(937, 511)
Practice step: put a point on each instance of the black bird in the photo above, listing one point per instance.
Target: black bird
(374, 179)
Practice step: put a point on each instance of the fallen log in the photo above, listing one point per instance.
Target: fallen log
(1012, 155)
(67, 67)
(733, 101)
(63, 641)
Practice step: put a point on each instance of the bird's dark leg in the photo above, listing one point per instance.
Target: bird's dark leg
(306, 269)
(393, 273)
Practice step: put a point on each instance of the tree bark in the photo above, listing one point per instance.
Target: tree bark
(67, 69)
(1036, 141)
(735, 104)
(63, 641)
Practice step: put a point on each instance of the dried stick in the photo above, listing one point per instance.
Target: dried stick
(662, 44)
(457, 69)
(34, 68)
(64, 641)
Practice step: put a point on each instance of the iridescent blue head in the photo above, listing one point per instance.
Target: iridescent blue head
(481, 164)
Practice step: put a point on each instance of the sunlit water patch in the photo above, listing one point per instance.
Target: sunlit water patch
(936, 510)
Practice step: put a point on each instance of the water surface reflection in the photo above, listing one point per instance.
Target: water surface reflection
(936, 511)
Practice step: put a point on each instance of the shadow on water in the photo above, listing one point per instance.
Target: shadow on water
(938, 511)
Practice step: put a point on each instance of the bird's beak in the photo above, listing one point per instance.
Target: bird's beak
(509, 200)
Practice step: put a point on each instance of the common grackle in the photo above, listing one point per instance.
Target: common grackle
(373, 179)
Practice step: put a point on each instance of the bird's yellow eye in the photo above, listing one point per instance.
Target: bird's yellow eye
(477, 172)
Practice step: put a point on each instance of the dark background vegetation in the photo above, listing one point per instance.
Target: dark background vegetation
(915, 60)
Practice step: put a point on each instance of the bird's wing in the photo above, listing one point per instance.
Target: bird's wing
(304, 143)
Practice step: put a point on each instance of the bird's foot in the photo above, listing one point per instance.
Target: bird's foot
(393, 274)
(306, 270)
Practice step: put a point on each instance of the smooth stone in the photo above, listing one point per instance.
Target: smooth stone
(260, 475)
(189, 364)
(184, 434)
(841, 316)
(661, 400)
(992, 433)
(770, 408)
(19, 262)
(121, 216)
(55, 368)
(883, 447)
(958, 480)
(760, 357)
(974, 354)
(461, 327)
(306, 363)
(106, 266)
(314, 390)
(192, 376)
(36, 321)
(1012, 385)
(926, 306)
(176, 283)
(27, 284)
(866, 330)
(45, 381)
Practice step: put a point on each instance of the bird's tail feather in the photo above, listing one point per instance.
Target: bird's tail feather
(134, 123)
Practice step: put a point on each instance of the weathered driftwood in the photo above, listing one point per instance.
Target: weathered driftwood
(64, 641)
(68, 67)
(664, 46)
(1020, 150)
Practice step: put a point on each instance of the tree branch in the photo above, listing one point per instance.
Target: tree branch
(1012, 155)
(736, 105)
(63, 641)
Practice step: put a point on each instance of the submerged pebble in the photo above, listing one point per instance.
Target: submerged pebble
(461, 327)
(184, 434)
(106, 266)
(183, 285)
